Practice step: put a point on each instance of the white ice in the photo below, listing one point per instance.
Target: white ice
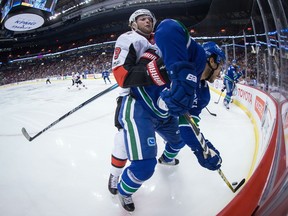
(64, 171)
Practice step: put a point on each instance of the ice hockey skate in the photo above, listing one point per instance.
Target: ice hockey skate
(226, 104)
(127, 202)
(174, 162)
(112, 184)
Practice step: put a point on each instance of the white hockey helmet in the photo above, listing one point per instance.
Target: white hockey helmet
(133, 17)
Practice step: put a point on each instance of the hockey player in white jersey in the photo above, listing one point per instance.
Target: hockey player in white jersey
(76, 80)
(130, 67)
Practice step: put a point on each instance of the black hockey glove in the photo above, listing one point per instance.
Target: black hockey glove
(156, 69)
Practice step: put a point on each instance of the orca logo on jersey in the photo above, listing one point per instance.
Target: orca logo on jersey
(151, 141)
(117, 52)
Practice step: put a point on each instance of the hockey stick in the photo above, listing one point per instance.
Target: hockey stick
(216, 102)
(229, 184)
(29, 138)
(213, 114)
(206, 152)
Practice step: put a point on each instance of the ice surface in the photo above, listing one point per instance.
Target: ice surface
(64, 171)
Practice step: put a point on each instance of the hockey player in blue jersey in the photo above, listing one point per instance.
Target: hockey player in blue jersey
(189, 66)
(137, 65)
(230, 79)
(238, 77)
(105, 76)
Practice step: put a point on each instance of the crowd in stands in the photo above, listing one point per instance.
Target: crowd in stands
(95, 59)
(58, 66)
(31, 49)
(251, 69)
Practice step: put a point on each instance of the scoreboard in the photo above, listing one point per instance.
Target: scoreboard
(24, 15)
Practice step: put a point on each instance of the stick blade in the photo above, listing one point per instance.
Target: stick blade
(25, 133)
(239, 185)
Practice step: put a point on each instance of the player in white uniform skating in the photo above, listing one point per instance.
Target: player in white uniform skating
(76, 79)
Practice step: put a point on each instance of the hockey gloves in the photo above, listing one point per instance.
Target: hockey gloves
(179, 98)
(211, 161)
(155, 67)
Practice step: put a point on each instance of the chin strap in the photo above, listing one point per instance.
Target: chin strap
(142, 33)
(212, 70)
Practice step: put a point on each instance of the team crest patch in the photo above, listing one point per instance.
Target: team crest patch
(151, 141)
(117, 52)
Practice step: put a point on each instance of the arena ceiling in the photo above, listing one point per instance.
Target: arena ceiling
(205, 17)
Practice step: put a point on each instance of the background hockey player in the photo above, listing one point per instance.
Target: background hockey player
(105, 76)
(76, 79)
(48, 80)
(238, 78)
(230, 78)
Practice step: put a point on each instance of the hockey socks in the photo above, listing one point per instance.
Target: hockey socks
(133, 176)
(169, 154)
(128, 184)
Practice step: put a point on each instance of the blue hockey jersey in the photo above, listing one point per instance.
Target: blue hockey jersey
(231, 74)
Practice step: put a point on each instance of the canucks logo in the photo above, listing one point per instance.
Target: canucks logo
(151, 141)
